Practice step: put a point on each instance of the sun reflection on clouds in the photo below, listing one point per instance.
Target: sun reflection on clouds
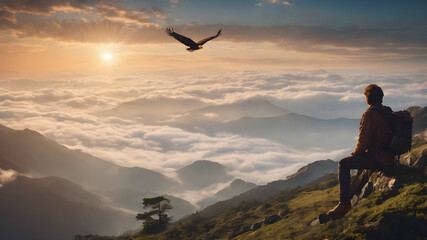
(64, 110)
(107, 56)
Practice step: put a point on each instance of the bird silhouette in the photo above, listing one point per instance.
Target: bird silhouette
(193, 46)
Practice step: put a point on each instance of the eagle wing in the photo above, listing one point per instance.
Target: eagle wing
(203, 41)
(185, 40)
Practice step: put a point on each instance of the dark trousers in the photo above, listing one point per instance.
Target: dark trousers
(344, 167)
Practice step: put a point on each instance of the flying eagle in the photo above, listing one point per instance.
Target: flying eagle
(193, 46)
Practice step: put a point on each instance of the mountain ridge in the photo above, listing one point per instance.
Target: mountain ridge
(263, 192)
(297, 130)
(203, 173)
(155, 111)
(235, 188)
(42, 156)
(55, 208)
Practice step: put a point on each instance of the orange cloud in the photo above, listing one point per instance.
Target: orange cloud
(102, 9)
(109, 22)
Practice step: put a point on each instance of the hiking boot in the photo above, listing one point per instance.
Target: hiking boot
(340, 209)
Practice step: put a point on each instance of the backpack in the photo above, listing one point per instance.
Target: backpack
(400, 127)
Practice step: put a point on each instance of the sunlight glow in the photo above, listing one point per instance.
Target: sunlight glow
(107, 56)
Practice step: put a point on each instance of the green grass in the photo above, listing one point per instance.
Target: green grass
(383, 215)
(391, 214)
(304, 204)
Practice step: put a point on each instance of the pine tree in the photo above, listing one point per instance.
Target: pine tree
(159, 206)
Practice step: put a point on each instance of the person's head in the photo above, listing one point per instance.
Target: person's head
(374, 94)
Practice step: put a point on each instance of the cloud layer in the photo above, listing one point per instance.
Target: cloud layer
(64, 111)
(7, 176)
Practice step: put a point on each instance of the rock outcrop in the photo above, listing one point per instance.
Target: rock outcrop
(257, 225)
(418, 162)
(368, 181)
(409, 168)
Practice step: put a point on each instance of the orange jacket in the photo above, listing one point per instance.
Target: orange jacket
(373, 134)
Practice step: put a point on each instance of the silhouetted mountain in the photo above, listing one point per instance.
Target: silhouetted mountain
(132, 199)
(55, 208)
(31, 153)
(420, 118)
(207, 116)
(253, 118)
(304, 175)
(35, 154)
(298, 130)
(203, 173)
(191, 114)
(151, 111)
(6, 165)
(235, 188)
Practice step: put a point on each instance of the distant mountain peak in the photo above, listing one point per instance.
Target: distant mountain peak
(305, 175)
(237, 181)
(255, 104)
(203, 173)
(36, 154)
(236, 187)
(205, 163)
(240, 182)
(314, 166)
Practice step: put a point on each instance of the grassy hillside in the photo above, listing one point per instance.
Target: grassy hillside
(384, 215)
(398, 214)
(301, 204)
(389, 214)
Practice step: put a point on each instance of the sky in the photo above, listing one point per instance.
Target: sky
(69, 37)
(61, 62)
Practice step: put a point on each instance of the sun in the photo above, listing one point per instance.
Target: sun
(107, 56)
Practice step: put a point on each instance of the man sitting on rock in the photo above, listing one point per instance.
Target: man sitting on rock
(370, 152)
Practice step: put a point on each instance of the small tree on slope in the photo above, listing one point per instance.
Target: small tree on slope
(159, 206)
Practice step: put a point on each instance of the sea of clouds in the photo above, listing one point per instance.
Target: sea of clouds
(64, 108)
(7, 176)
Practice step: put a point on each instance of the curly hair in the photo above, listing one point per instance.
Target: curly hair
(374, 94)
